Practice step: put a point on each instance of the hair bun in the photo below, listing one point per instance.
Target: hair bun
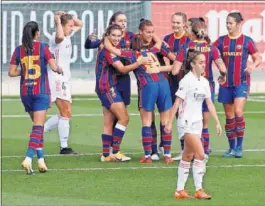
(202, 19)
(142, 19)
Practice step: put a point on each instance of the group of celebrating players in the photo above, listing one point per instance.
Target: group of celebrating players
(174, 73)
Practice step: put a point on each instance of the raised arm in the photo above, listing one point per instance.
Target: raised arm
(78, 24)
(59, 36)
(91, 44)
(110, 47)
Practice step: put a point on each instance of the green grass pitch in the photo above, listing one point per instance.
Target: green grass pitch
(84, 180)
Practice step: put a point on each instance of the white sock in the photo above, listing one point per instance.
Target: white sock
(63, 129)
(198, 173)
(183, 173)
(51, 123)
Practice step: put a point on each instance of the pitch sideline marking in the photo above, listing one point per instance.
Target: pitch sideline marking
(133, 168)
(129, 153)
(99, 115)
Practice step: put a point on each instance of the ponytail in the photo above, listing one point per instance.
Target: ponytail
(143, 23)
(199, 28)
(29, 33)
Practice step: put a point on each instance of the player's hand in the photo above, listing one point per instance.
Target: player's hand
(166, 44)
(93, 36)
(57, 19)
(250, 67)
(221, 79)
(218, 129)
(144, 61)
(59, 13)
(168, 127)
(58, 70)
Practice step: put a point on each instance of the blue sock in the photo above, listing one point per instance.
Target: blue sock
(154, 135)
(240, 130)
(147, 140)
(30, 152)
(106, 142)
(40, 153)
(161, 138)
(118, 134)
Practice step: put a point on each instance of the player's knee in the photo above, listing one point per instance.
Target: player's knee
(108, 129)
(187, 157)
(238, 112)
(66, 113)
(229, 115)
(199, 156)
(125, 120)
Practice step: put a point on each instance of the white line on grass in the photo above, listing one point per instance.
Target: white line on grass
(134, 168)
(255, 98)
(74, 99)
(129, 153)
(99, 115)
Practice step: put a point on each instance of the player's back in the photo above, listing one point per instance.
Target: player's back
(210, 52)
(34, 77)
(142, 73)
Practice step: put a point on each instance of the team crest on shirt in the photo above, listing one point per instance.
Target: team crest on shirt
(239, 46)
(112, 92)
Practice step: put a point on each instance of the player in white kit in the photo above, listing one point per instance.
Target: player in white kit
(61, 48)
(193, 90)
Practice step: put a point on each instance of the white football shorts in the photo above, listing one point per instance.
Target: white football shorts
(60, 88)
(194, 128)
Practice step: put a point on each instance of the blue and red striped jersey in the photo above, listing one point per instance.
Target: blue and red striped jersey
(125, 42)
(106, 74)
(175, 44)
(164, 51)
(34, 75)
(210, 51)
(235, 53)
(144, 78)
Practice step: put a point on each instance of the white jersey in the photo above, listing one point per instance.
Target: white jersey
(193, 91)
(62, 53)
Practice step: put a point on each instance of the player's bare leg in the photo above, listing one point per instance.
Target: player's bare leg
(166, 137)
